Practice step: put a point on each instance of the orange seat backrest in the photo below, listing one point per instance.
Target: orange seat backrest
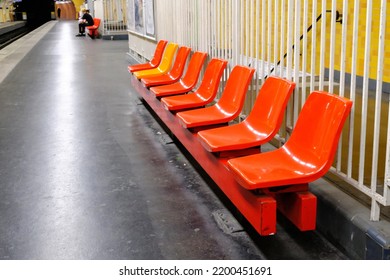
(318, 128)
(158, 53)
(268, 110)
(180, 61)
(96, 21)
(233, 95)
(194, 67)
(211, 79)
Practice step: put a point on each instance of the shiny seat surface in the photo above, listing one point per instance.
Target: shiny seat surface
(154, 62)
(307, 155)
(188, 82)
(259, 127)
(228, 106)
(163, 67)
(174, 74)
(204, 94)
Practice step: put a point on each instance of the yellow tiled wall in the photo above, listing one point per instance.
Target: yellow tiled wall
(374, 46)
(254, 16)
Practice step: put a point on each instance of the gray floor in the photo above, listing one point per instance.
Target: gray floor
(88, 173)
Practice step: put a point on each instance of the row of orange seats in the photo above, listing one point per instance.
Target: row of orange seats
(307, 155)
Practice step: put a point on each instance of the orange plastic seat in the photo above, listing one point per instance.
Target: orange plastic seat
(307, 155)
(259, 127)
(163, 67)
(229, 105)
(154, 62)
(174, 74)
(93, 30)
(204, 94)
(188, 82)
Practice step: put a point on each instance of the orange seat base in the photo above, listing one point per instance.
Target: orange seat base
(93, 31)
(258, 207)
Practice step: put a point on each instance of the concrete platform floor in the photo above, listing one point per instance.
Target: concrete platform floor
(87, 172)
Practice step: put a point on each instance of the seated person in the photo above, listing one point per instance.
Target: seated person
(85, 20)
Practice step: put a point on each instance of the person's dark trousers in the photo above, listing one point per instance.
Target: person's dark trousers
(82, 27)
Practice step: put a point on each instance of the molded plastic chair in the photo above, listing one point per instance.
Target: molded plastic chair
(154, 62)
(174, 74)
(259, 127)
(307, 155)
(188, 82)
(204, 94)
(229, 105)
(163, 67)
(93, 30)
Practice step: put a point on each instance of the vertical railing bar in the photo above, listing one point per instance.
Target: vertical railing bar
(269, 27)
(276, 35)
(257, 74)
(229, 42)
(297, 44)
(236, 31)
(191, 27)
(332, 46)
(247, 32)
(205, 24)
(290, 35)
(353, 84)
(242, 27)
(195, 20)
(222, 28)
(210, 20)
(209, 17)
(206, 27)
(182, 7)
(289, 51)
(313, 46)
(323, 44)
(215, 35)
(225, 24)
(263, 43)
(229, 30)
(191, 22)
(191, 19)
(304, 50)
(201, 26)
(375, 213)
(386, 185)
(366, 73)
(282, 37)
(251, 26)
(342, 72)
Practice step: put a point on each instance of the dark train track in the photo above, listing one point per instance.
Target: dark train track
(9, 37)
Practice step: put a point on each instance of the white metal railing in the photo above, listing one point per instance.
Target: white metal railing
(319, 46)
(114, 17)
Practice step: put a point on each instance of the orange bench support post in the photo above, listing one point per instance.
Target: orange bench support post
(93, 30)
(154, 62)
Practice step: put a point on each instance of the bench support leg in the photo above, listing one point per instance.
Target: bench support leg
(267, 211)
(300, 208)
